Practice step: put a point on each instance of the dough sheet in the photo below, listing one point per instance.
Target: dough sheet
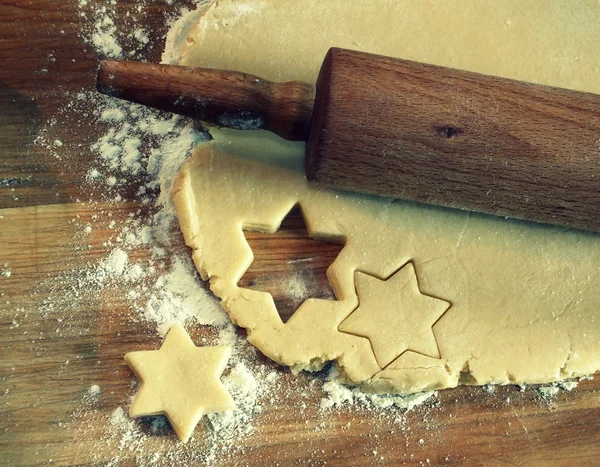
(495, 300)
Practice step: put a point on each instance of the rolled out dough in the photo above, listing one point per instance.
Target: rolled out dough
(524, 300)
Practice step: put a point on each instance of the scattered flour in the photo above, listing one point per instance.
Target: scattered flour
(113, 114)
(338, 394)
(114, 264)
(178, 297)
(246, 391)
(548, 392)
(141, 36)
(297, 288)
(142, 145)
(551, 390)
(103, 37)
(131, 438)
(99, 28)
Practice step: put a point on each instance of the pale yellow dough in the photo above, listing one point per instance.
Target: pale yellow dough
(518, 302)
(181, 381)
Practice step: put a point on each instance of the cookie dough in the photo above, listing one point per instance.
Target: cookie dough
(516, 302)
(394, 315)
(181, 381)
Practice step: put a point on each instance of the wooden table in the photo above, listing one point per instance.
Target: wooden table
(53, 348)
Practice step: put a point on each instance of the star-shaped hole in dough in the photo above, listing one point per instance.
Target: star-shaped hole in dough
(181, 381)
(290, 265)
(395, 316)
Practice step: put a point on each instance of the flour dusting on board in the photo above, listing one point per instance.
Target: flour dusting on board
(338, 394)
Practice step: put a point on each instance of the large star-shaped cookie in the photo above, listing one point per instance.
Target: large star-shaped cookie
(181, 381)
(395, 316)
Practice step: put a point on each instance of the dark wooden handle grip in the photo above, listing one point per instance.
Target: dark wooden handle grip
(224, 98)
(454, 138)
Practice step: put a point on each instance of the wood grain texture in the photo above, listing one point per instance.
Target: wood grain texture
(291, 264)
(457, 139)
(51, 355)
(225, 98)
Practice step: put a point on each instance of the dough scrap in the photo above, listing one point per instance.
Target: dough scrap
(181, 381)
(524, 298)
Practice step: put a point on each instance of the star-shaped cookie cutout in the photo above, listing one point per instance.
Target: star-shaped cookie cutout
(395, 316)
(181, 381)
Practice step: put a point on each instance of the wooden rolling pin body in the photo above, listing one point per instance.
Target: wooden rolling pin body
(458, 139)
(407, 130)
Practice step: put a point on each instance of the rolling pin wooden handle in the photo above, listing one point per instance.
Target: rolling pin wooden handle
(225, 98)
(454, 138)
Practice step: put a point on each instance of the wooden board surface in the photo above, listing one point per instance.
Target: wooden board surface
(54, 346)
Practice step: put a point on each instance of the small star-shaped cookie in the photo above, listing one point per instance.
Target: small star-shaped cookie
(181, 381)
(395, 316)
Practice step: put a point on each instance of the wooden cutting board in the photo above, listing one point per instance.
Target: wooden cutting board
(54, 348)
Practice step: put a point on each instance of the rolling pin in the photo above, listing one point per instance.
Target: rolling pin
(406, 130)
